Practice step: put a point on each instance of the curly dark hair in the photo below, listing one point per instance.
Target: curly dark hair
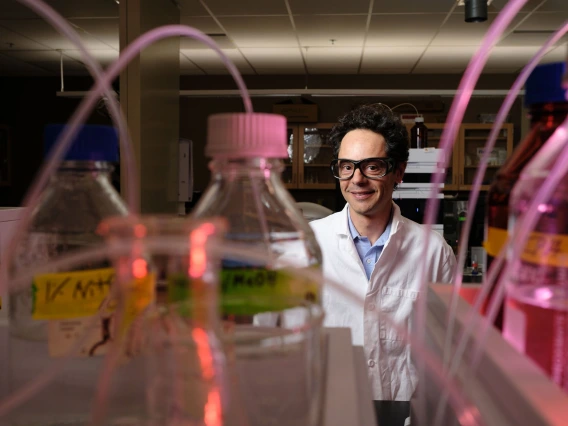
(379, 119)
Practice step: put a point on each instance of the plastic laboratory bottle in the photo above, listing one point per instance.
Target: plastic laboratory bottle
(419, 134)
(544, 97)
(246, 190)
(536, 308)
(49, 314)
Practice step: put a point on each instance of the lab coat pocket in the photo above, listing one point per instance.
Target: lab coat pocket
(397, 303)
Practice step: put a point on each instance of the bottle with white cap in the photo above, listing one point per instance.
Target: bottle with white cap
(419, 134)
(246, 189)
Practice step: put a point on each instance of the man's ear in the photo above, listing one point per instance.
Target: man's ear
(399, 171)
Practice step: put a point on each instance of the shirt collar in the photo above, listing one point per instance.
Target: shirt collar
(382, 239)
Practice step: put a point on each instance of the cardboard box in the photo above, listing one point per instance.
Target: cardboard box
(297, 113)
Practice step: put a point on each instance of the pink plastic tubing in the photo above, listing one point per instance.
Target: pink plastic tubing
(455, 117)
(64, 140)
(523, 227)
(501, 117)
(88, 103)
(465, 411)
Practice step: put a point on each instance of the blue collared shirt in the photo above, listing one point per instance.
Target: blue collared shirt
(367, 253)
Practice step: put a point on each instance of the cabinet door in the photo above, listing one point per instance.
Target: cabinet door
(314, 157)
(4, 156)
(290, 172)
(474, 137)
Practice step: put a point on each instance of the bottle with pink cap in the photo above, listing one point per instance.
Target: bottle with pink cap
(272, 317)
(247, 191)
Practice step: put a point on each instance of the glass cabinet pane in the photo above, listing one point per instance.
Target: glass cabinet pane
(288, 172)
(474, 140)
(317, 156)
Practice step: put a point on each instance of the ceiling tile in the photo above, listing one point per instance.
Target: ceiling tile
(14, 41)
(247, 7)
(332, 70)
(41, 32)
(287, 71)
(333, 57)
(266, 31)
(529, 39)
(457, 32)
(510, 56)
(188, 67)
(192, 8)
(385, 70)
(12, 9)
(446, 57)
(85, 8)
(208, 60)
(558, 54)
(437, 70)
(531, 5)
(33, 55)
(322, 7)
(543, 22)
(318, 30)
(103, 29)
(554, 6)
(104, 56)
(413, 6)
(403, 30)
(276, 59)
(13, 67)
(391, 57)
(507, 70)
(208, 26)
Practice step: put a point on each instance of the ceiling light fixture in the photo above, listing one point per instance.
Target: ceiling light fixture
(475, 10)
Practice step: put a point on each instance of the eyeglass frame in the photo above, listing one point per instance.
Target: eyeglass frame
(391, 166)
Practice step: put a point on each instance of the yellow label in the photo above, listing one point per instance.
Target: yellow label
(79, 294)
(546, 249)
(496, 240)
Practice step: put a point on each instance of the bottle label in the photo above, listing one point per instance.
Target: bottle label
(546, 249)
(496, 239)
(249, 291)
(71, 300)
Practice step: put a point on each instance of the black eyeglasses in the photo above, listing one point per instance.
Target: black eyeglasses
(371, 168)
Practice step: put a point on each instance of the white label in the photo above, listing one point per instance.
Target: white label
(63, 336)
(515, 325)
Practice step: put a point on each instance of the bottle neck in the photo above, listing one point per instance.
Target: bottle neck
(549, 115)
(265, 168)
(88, 169)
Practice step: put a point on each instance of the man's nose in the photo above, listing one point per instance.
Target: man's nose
(358, 176)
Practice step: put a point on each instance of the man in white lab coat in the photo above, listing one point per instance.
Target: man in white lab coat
(373, 251)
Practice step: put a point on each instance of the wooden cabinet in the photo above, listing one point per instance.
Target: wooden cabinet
(310, 153)
(309, 156)
(467, 152)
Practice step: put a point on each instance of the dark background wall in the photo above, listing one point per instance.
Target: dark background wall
(28, 104)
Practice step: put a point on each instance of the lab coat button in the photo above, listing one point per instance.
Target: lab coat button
(368, 260)
(371, 363)
(371, 307)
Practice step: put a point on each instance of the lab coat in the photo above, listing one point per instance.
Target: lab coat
(392, 289)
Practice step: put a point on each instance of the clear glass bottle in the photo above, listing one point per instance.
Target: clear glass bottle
(548, 108)
(247, 191)
(45, 324)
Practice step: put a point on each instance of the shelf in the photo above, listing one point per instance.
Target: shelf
(317, 186)
(316, 165)
(481, 138)
(477, 167)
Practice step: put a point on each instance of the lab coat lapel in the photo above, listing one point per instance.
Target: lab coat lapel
(345, 241)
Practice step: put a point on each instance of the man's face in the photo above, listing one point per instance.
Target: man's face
(367, 197)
